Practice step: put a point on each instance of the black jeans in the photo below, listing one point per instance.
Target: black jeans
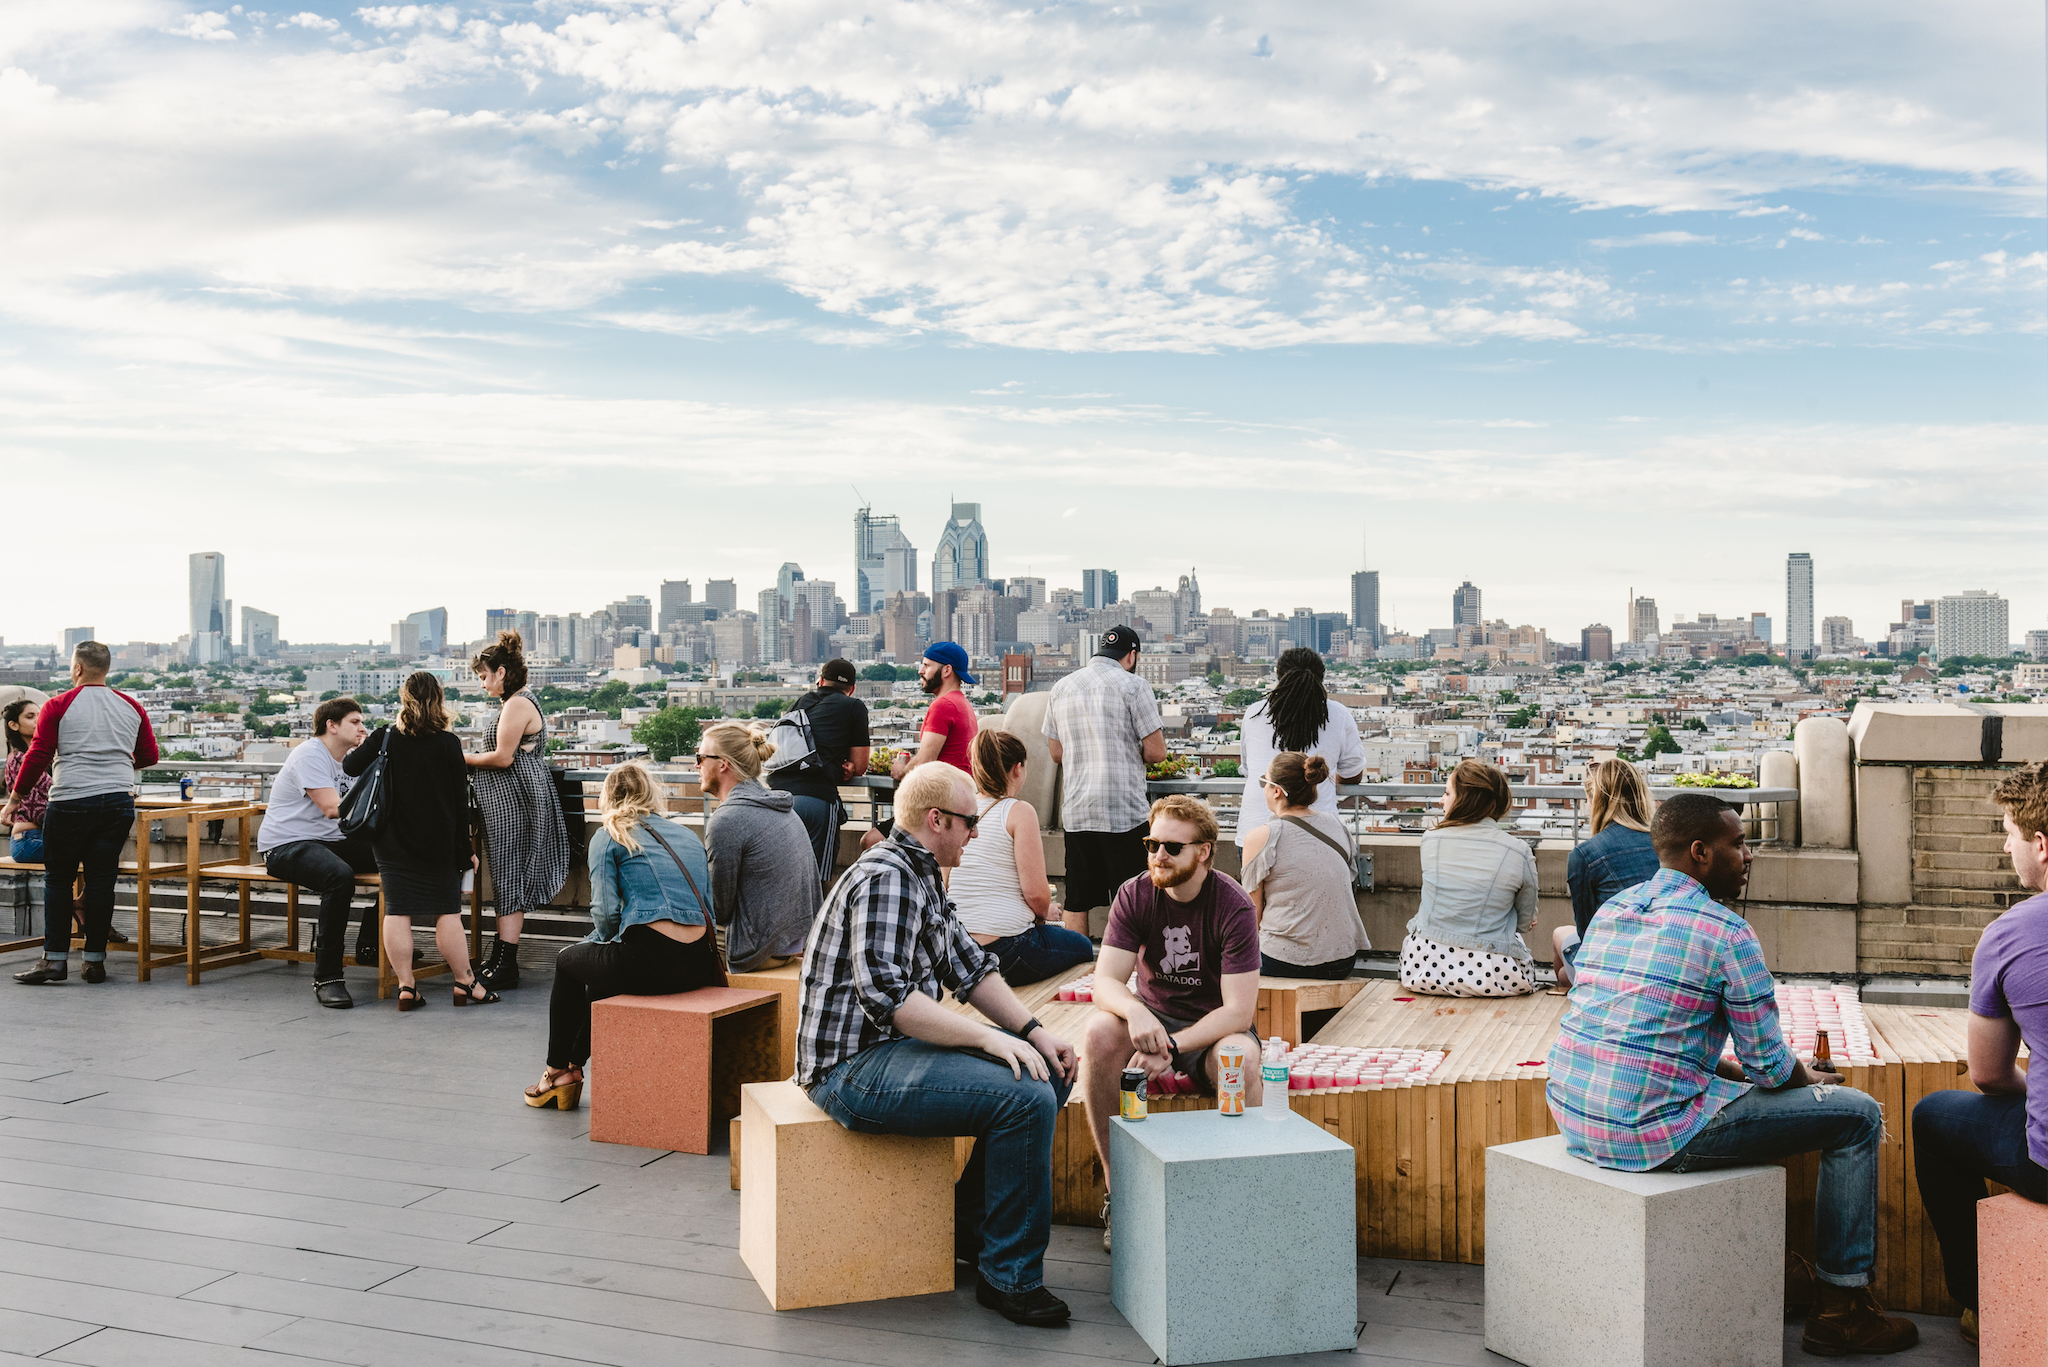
(87, 832)
(641, 963)
(1959, 1139)
(329, 867)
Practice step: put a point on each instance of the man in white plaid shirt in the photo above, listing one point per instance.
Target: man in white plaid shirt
(878, 1054)
(1103, 728)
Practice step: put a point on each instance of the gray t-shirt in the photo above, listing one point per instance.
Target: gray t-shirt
(291, 815)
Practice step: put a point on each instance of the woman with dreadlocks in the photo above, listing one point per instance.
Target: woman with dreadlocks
(1297, 715)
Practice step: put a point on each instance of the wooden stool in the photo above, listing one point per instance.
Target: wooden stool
(2012, 1282)
(1284, 1001)
(829, 1217)
(669, 1069)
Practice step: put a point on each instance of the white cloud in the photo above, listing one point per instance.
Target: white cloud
(308, 19)
(1671, 238)
(208, 26)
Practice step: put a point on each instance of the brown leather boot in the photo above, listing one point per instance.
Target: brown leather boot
(1799, 1284)
(1848, 1319)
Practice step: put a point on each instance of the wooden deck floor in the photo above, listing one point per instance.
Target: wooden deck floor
(230, 1175)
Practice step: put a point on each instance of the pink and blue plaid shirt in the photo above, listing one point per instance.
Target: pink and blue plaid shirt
(1665, 977)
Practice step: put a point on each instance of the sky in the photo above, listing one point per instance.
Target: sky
(538, 305)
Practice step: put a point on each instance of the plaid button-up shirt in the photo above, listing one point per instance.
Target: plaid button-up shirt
(1100, 715)
(1665, 976)
(886, 931)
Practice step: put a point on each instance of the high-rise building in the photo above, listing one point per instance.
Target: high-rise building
(675, 595)
(723, 594)
(73, 636)
(771, 611)
(632, 611)
(207, 574)
(899, 625)
(1838, 636)
(556, 636)
(1030, 591)
(259, 633)
(1760, 627)
(1465, 606)
(2037, 645)
(1365, 607)
(884, 561)
(962, 559)
(1098, 588)
(1643, 622)
(1973, 622)
(499, 619)
(1799, 606)
(733, 640)
(1187, 599)
(1596, 642)
(405, 639)
(433, 625)
(1158, 608)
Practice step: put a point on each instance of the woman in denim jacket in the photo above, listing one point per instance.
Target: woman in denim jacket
(1618, 857)
(649, 920)
(1478, 894)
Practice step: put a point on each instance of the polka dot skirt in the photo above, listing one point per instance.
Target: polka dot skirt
(1438, 970)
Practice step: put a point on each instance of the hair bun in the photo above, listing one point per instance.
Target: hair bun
(1315, 769)
(509, 640)
(763, 747)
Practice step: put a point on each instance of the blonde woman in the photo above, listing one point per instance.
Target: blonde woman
(649, 920)
(1618, 857)
(422, 847)
(764, 874)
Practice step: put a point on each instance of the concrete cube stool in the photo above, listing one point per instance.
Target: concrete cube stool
(668, 1070)
(1235, 1235)
(2012, 1282)
(829, 1217)
(1586, 1267)
(786, 982)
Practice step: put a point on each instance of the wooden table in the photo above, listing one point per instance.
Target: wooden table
(196, 956)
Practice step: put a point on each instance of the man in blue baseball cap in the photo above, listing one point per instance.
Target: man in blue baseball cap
(947, 734)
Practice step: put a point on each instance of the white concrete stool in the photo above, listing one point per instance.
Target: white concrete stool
(1236, 1236)
(1586, 1267)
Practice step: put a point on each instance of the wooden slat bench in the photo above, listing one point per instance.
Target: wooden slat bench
(387, 981)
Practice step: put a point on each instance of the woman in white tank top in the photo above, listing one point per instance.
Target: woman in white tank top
(999, 890)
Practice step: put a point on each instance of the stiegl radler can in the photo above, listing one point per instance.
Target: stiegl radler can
(1132, 1095)
(1230, 1079)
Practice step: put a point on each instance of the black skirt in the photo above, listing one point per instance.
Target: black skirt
(419, 892)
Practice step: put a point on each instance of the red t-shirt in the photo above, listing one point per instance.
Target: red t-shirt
(952, 716)
(1185, 948)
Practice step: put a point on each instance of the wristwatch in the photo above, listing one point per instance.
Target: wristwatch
(1024, 1031)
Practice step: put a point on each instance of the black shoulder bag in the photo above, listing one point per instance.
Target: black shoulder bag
(368, 801)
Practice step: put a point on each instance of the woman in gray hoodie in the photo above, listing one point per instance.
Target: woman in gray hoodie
(764, 881)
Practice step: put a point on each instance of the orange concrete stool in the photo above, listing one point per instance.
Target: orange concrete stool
(668, 1070)
(830, 1217)
(2012, 1282)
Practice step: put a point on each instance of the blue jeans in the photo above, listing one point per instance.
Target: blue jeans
(1845, 1125)
(26, 848)
(1038, 953)
(87, 832)
(821, 822)
(1003, 1200)
(1959, 1139)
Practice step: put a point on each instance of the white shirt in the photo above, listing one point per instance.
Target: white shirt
(984, 889)
(1337, 743)
(291, 815)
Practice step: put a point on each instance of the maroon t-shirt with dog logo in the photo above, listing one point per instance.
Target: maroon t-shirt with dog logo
(1185, 948)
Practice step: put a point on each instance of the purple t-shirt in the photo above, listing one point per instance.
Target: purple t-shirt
(2009, 977)
(1185, 948)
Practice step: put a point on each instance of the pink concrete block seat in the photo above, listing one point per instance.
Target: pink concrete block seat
(2012, 1282)
(666, 1072)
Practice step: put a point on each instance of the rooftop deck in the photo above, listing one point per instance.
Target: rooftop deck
(226, 1174)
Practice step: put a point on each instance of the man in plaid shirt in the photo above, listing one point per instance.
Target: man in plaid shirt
(1102, 726)
(878, 1054)
(1637, 1080)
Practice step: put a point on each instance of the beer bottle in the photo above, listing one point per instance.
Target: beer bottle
(1823, 1057)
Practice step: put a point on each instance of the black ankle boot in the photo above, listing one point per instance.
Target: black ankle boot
(500, 969)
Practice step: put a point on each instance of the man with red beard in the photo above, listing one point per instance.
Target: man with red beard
(1193, 938)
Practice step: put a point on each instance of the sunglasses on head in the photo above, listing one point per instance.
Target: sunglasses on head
(1172, 847)
(972, 821)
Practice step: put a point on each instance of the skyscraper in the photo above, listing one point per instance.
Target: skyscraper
(884, 561)
(208, 597)
(962, 559)
(1643, 623)
(73, 636)
(1799, 606)
(723, 594)
(1972, 622)
(1465, 606)
(259, 633)
(1098, 588)
(786, 579)
(1760, 626)
(1365, 608)
(433, 625)
(675, 593)
(1596, 642)
(772, 612)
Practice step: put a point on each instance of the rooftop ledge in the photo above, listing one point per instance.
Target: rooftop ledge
(1950, 733)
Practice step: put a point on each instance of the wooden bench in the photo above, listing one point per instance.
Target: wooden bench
(7, 865)
(1284, 1001)
(387, 980)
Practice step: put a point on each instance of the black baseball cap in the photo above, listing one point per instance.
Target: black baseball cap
(839, 672)
(1118, 642)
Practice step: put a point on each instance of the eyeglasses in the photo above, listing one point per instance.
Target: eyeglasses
(972, 821)
(1271, 783)
(1172, 847)
(702, 758)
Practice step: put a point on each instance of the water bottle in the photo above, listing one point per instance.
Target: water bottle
(1273, 1074)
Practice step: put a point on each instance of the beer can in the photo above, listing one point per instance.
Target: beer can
(1132, 1097)
(1230, 1079)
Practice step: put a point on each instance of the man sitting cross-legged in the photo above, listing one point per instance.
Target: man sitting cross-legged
(878, 1054)
(1193, 937)
(1637, 1082)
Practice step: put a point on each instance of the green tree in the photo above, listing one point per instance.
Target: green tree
(1524, 718)
(1657, 741)
(1216, 679)
(330, 694)
(1227, 768)
(671, 732)
(771, 707)
(879, 673)
(906, 673)
(1693, 724)
(1242, 697)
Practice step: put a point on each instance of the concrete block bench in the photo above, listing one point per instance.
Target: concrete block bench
(830, 1217)
(2012, 1282)
(787, 983)
(1587, 1267)
(1235, 1235)
(667, 1071)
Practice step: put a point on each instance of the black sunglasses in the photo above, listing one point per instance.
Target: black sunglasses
(972, 821)
(1172, 847)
